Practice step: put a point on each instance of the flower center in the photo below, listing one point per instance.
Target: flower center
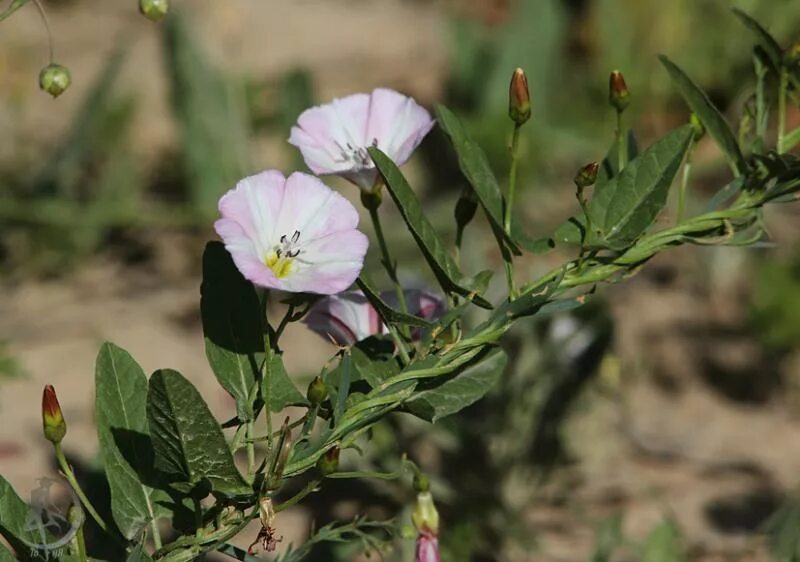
(282, 255)
(357, 157)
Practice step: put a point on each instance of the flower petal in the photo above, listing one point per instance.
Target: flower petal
(398, 124)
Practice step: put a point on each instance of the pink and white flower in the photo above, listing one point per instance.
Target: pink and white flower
(427, 548)
(348, 317)
(334, 137)
(293, 234)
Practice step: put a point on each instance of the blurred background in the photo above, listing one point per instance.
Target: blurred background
(660, 422)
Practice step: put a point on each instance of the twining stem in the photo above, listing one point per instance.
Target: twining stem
(509, 210)
(687, 171)
(388, 263)
(622, 153)
(70, 476)
(782, 92)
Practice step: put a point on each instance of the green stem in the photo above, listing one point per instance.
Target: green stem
(622, 154)
(309, 488)
(782, 90)
(80, 545)
(267, 375)
(70, 476)
(251, 449)
(388, 263)
(156, 533)
(509, 210)
(687, 171)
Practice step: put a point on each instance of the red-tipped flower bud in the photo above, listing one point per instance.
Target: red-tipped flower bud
(154, 10)
(55, 428)
(328, 463)
(519, 98)
(54, 79)
(587, 175)
(618, 95)
(317, 391)
(425, 517)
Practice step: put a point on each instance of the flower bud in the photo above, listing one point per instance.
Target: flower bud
(697, 127)
(52, 419)
(154, 10)
(372, 199)
(54, 79)
(421, 482)
(587, 175)
(519, 98)
(618, 94)
(317, 391)
(328, 463)
(465, 208)
(425, 517)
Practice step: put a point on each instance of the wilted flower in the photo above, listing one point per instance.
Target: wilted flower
(334, 137)
(294, 234)
(427, 548)
(349, 317)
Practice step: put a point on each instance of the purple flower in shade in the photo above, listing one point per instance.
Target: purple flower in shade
(348, 317)
(294, 234)
(427, 548)
(334, 137)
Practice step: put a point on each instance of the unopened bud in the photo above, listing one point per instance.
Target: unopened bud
(55, 428)
(465, 208)
(421, 482)
(425, 517)
(697, 126)
(54, 79)
(618, 95)
(587, 175)
(519, 98)
(372, 199)
(317, 391)
(154, 10)
(328, 463)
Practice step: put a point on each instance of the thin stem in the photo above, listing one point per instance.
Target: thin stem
(687, 171)
(622, 154)
(266, 374)
(782, 90)
(46, 22)
(198, 518)
(251, 449)
(388, 263)
(80, 545)
(309, 488)
(70, 476)
(284, 322)
(156, 533)
(509, 210)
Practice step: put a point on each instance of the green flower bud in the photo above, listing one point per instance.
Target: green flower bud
(465, 208)
(317, 391)
(54, 79)
(55, 428)
(697, 127)
(421, 482)
(519, 98)
(618, 95)
(372, 199)
(154, 10)
(328, 463)
(587, 175)
(425, 517)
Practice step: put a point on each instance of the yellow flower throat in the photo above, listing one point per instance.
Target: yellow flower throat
(281, 257)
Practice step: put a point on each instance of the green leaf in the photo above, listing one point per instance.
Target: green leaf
(468, 385)
(628, 204)
(767, 41)
(663, 544)
(438, 258)
(13, 513)
(232, 327)
(386, 312)
(343, 388)
(708, 114)
(13, 7)
(283, 392)
(138, 554)
(475, 166)
(187, 440)
(127, 451)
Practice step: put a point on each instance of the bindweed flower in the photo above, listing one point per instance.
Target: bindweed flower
(294, 234)
(348, 318)
(334, 137)
(427, 548)
(53, 424)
